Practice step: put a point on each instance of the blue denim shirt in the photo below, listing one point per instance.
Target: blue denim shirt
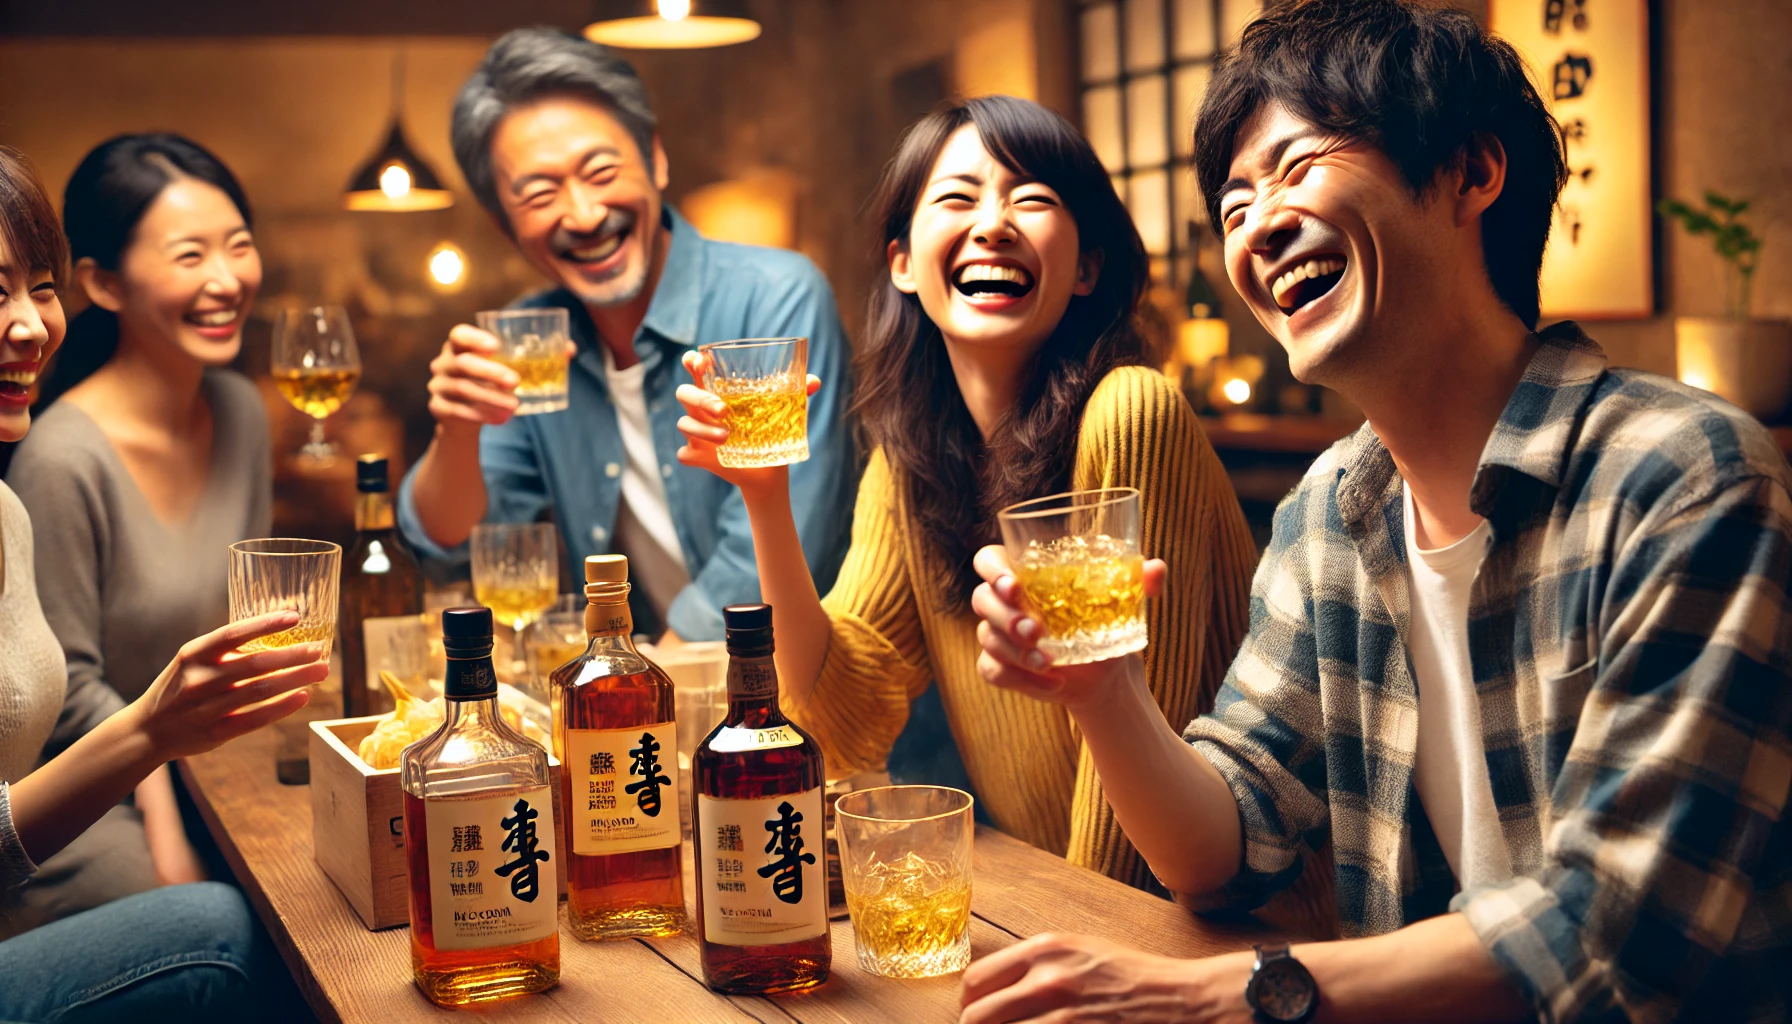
(572, 460)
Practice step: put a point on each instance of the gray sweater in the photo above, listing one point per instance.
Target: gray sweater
(31, 677)
(121, 589)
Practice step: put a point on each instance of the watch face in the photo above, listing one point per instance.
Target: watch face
(1283, 990)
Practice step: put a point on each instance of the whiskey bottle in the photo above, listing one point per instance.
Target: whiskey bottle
(479, 839)
(380, 578)
(762, 884)
(617, 743)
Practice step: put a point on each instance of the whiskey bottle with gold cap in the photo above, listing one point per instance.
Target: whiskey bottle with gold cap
(618, 747)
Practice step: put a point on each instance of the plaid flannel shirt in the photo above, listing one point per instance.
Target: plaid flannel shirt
(1629, 639)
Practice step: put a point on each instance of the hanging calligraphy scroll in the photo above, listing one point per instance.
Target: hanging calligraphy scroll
(1591, 62)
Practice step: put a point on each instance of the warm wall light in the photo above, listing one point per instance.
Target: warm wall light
(1234, 381)
(396, 178)
(1237, 390)
(672, 24)
(447, 266)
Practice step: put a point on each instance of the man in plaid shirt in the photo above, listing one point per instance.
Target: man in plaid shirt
(1519, 647)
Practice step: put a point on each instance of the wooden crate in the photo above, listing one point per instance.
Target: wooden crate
(357, 823)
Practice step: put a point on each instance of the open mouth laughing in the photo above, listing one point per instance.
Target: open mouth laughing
(1306, 281)
(16, 380)
(589, 252)
(989, 281)
(215, 324)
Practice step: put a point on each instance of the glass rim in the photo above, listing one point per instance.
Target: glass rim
(518, 313)
(312, 309)
(748, 343)
(519, 528)
(319, 547)
(1111, 496)
(970, 802)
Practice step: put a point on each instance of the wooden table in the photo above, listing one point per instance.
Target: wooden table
(348, 973)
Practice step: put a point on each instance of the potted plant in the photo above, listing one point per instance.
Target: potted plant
(1745, 360)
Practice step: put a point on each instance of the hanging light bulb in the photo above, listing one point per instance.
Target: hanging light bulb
(672, 24)
(395, 181)
(396, 178)
(447, 266)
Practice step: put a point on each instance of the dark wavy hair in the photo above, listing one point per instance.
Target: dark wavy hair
(105, 198)
(908, 400)
(1416, 82)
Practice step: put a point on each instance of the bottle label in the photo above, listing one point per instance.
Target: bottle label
(752, 677)
(624, 789)
(491, 869)
(764, 869)
(733, 739)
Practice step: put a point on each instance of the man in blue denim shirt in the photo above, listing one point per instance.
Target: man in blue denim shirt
(555, 136)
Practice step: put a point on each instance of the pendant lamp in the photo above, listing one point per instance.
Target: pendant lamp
(672, 24)
(396, 178)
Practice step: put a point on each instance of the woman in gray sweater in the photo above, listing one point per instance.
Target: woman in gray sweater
(147, 461)
(186, 952)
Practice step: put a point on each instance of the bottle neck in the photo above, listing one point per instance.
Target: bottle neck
(470, 680)
(612, 622)
(753, 692)
(374, 512)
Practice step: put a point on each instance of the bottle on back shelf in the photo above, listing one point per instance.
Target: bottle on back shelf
(380, 578)
(617, 743)
(762, 882)
(479, 839)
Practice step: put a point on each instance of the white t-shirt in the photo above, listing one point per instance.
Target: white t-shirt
(1450, 772)
(644, 530)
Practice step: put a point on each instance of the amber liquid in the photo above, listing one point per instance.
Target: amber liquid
(463, 977)
(1088, 593)
(520, 604)
(303, 633)
(537, 374)
(768, 421)
(317, 393)
(911, 919)
(746, 774)
(620, 895)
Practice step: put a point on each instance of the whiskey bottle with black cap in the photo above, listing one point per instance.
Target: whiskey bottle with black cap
(762, 883)
(479, 839)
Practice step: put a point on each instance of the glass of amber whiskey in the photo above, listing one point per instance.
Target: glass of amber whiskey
(763, 382)
(1082, 576)
(533, 344)
(905, 860)
(280, 574)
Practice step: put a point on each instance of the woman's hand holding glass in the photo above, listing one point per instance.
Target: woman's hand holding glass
(705, 428)
(211, 693)
(1011, 657)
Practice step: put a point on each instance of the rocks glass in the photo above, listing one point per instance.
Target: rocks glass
(905, 860)
(764, 382)
(533, 344)
(1082, 577)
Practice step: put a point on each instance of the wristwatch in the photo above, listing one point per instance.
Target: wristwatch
(1280, 991)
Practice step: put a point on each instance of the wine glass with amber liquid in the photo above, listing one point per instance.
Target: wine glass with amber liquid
(316, 367)
(516, 573)
(616, 735)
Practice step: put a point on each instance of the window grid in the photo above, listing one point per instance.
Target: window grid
(1170, 264)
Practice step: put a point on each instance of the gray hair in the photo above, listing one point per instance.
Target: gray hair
(524, 65)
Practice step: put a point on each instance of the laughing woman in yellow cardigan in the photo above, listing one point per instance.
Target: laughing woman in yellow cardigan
(1001, 363)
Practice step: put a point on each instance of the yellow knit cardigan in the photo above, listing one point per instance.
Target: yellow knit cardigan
(1025, 758)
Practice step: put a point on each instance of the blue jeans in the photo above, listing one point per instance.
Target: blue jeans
(185, 952)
